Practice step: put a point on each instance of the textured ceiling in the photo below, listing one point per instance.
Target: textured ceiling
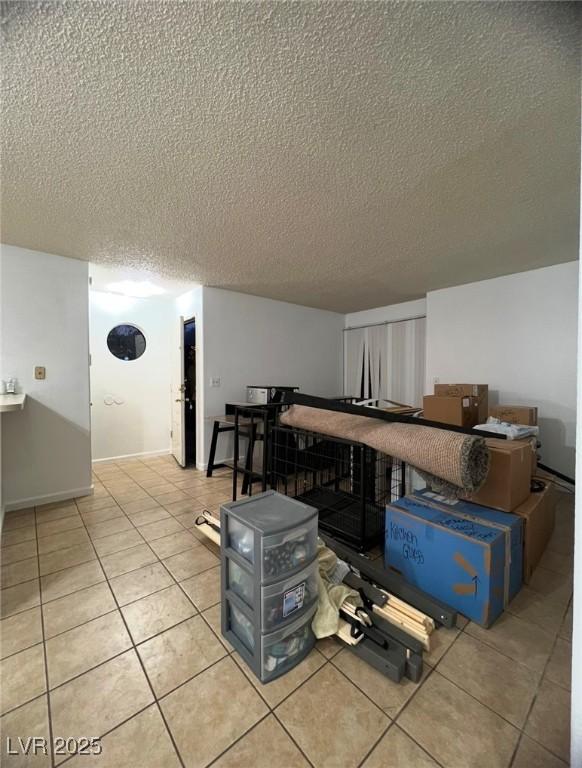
(342, 155)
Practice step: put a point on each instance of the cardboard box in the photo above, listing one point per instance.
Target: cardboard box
(508, 522)
(516, 414)
(533, 444)
(460, 411)
(456, 557)
(480, 391)
(538, 512)
(509, 479)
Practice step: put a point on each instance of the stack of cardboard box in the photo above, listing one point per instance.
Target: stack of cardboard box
(508, 488)
(463, 405)
(513, 464)
(516, 414)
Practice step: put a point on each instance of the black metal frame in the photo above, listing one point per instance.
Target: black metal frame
(218, 428)
(254, 416)
(296, 398)
(394, 583)
(384, 646)
(348, 482)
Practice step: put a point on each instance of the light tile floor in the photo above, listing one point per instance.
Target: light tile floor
(111, 628)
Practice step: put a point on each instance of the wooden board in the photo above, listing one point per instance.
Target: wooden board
(412, 628)
(209, 531)
(344, 633)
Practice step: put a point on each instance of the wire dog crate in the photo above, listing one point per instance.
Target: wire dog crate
(348, 482)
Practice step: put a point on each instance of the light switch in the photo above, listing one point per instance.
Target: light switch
(40, 372)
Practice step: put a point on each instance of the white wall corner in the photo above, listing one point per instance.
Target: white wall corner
(143, 455)
(576, 713)
(49, 498)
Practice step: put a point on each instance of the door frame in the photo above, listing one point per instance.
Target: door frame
(180, 456)
(185, 322)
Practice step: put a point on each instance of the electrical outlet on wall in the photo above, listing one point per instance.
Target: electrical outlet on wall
(436, 380)
(215, 381)
(40, 372)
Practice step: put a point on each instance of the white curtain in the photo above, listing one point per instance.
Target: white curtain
(376, 347)
(386, 361)
(406, 360)
(354, 362)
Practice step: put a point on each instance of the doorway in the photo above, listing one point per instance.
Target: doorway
(189, 347)
(183, 392)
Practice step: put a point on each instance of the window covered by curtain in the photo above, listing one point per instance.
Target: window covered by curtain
(386, 361)
(354, 373)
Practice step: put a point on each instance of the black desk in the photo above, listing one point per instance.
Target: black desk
(244, 419)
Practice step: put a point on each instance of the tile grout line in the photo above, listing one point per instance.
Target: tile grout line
(433, 668)
(135, 647)
(240, 738)
(391, 720)
(71, 679)
(200, 613)
(535, 698)
(487, 706)
(515, 661)
(20, 583)
(139, 657)
(291, 693)
(106, 579)
(89, 586)
(120, 653)
(287, 731)
(111, 730)
(270, 710)
(129, 516)
(28, 647)
(273, 710)
(48, 693)
(468, 693)
(501, 653)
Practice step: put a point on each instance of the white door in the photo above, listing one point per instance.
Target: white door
(178, 398)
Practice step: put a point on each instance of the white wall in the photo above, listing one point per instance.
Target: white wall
(140, 422)
(406, 310)
(518, 334)
(46, 447)
(251, 340)
(576, 715)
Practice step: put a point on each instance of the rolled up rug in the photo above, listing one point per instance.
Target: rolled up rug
(450, 462)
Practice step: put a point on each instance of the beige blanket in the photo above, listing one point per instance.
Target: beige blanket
(331, 594)
(449, 461)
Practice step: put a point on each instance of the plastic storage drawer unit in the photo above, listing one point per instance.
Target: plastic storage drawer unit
(240, 581)
(274, 604)
(275, 534)
(268, 655)
(287, 600)
(269, 580)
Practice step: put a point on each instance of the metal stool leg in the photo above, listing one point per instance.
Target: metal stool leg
(247, 479)
(215, 431)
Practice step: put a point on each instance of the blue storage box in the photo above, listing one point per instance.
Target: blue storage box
(487, 515)
(466, 555)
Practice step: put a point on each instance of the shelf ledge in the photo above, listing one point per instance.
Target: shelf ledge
(12, 402)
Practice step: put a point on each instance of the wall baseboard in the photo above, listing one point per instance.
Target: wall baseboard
(203, 465)
(165, 452)
(48, 498)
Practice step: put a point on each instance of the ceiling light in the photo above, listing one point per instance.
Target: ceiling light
(114, 303)
(138, 290)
